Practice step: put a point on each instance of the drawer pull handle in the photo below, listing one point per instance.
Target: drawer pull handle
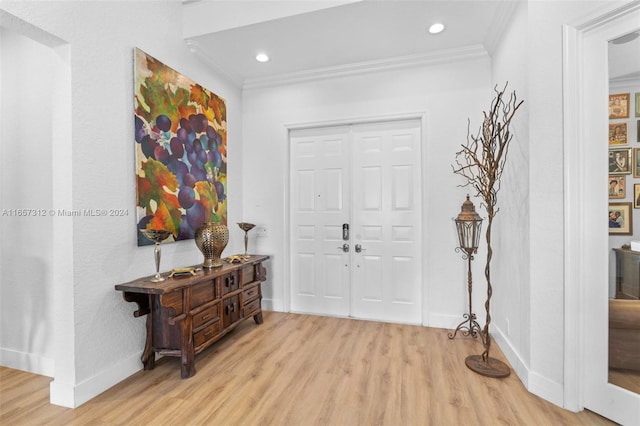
(206, 316)
(208, 333)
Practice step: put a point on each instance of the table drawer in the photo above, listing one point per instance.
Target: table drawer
(251, 307)
(248, 274)
(209, 314)
(251, 293)
(206, 334)
(202, 293)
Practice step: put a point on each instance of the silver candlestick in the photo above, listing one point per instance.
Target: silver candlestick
(246, 227)
(157, 236)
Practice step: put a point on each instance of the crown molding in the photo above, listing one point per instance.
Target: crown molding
(434, 58)
(597, 19)
(628, 79)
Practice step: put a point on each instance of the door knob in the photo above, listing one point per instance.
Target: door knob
(344, 248)
(359, 248)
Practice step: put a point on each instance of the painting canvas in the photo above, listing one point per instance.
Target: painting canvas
(617, 186)
(620, 219)
(618, 134)
(180, 149)
(620, 161)
(619, 105)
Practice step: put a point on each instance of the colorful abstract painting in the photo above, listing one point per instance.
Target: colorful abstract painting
(181, 151)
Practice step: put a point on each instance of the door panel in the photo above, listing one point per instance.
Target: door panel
(320, 174)
(379, 166)
(386, 218)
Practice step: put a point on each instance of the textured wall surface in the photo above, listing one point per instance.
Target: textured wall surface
(103, 340)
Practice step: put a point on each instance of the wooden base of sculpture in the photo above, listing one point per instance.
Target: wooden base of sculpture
(490, 367)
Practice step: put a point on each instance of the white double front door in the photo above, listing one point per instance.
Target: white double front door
(356, 221)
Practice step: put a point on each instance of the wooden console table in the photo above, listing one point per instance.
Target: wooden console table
(185, 315)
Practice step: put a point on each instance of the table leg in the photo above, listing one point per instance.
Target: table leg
(148, 356)
(187, 354)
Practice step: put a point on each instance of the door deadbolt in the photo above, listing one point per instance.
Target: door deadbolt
(345, 231)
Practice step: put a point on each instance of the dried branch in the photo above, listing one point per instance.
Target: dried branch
(481, 162)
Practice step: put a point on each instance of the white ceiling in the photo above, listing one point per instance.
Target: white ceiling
(327, 36)
(624, 58)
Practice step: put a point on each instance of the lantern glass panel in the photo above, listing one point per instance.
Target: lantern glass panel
(469, 233)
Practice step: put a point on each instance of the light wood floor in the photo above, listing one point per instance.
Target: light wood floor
(304, 370)
(628, 379)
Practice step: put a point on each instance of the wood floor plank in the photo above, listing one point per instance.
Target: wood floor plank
(304, 370)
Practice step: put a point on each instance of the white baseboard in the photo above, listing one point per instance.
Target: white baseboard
(23, 361)
(443, 321)
(272, 305)
(534, 382)
(546, 389)
(72, 396)
(517, 363)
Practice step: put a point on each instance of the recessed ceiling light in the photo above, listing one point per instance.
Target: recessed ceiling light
(262, 57)
(626, 38)
(436, 28)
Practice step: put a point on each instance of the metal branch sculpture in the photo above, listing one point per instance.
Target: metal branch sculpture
(481, 162)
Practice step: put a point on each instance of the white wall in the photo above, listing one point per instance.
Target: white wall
(532, 299)
(546, 200)
(26, 260)
(448, 94)
(104, 341)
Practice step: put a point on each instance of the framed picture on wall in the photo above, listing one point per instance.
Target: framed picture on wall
(636, 162)
(638, 106)
(620, 161)
(618, 134)
(638, 131)
(619, 106)
(617, 186)
(620, 219)
(636, 196)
